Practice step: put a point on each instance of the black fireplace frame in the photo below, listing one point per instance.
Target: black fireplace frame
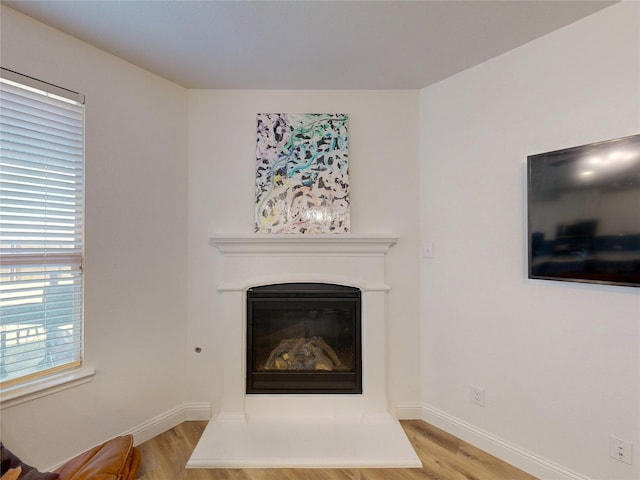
(296, 382)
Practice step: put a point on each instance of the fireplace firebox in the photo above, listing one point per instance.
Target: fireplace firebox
(304, 338)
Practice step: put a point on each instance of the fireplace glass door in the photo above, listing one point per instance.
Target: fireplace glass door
(304, 338)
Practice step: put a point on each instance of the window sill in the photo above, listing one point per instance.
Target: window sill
(42, 387)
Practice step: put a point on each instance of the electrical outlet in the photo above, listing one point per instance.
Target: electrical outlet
(620, 450)
(476, 395)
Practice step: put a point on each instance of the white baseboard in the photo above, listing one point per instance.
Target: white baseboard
(409, 410)
(167, 420)
(519, 457)
(161, 423)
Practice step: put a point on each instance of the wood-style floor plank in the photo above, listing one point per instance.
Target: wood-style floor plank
(444, 457)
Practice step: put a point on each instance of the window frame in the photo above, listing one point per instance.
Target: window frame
(53, 377)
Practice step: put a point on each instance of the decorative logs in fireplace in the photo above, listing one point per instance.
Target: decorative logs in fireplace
(304, 338)
(303, 354)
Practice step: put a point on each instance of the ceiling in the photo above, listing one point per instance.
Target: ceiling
(306, 44)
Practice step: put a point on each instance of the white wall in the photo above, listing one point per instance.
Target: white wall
(560, 363)
(136, 242)
(383, 164)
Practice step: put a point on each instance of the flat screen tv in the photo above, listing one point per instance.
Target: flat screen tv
(584, 213)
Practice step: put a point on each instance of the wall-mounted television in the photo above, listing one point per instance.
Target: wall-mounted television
(584, 213)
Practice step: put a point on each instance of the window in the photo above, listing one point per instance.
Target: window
(41, 228)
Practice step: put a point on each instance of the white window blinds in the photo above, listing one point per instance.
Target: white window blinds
(41, 228)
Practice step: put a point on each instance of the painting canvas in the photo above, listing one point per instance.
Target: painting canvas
(302, 173)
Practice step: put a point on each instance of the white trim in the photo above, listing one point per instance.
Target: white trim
(161, 423)
(44, 386)
(408, 410)
(293, 244)
(168, 420)
(503, 449)
(378, 287)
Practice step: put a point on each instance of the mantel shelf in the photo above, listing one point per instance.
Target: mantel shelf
(296, 244)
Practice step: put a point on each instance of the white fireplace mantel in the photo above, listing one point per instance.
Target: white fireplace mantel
(295, 244)
(293, 430)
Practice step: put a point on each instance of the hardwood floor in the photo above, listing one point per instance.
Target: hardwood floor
(444, 457)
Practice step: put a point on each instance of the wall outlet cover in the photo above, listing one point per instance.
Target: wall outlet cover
(620, 450)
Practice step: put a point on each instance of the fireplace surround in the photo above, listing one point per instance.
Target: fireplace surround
(330, 429)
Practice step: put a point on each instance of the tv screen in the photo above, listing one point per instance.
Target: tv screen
(584, 213)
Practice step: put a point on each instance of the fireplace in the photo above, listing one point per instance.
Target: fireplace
(303, 338)
(321, 300)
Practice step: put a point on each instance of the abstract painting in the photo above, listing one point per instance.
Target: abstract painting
(302, 173)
